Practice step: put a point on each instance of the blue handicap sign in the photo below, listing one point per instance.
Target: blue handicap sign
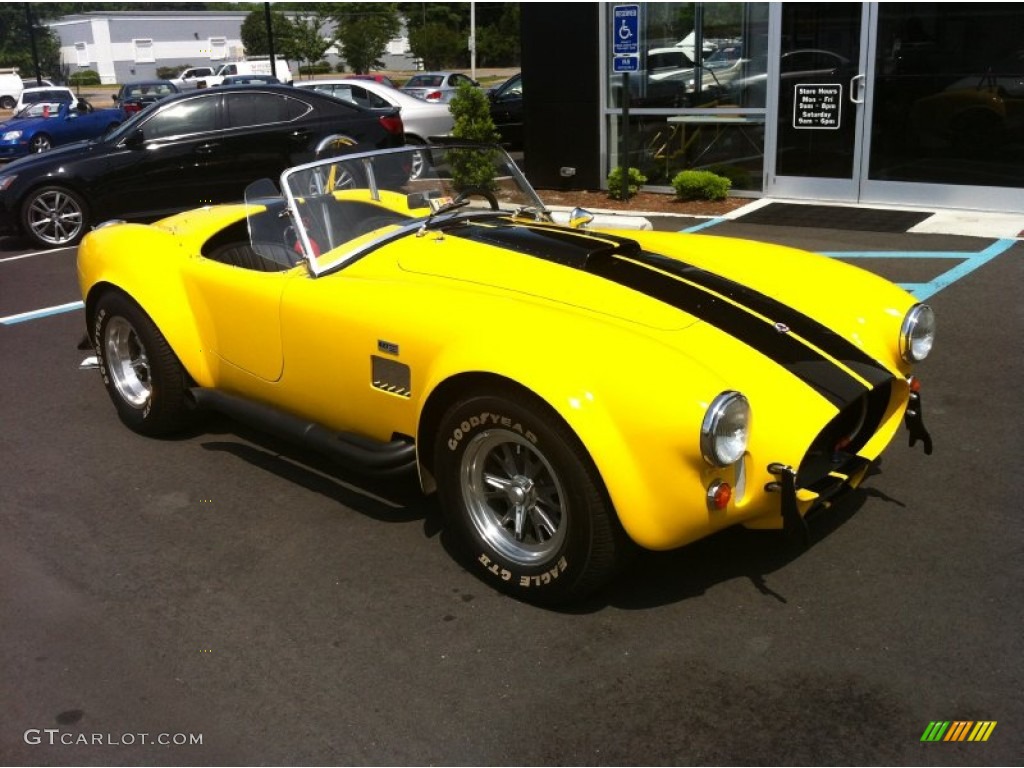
(626, 64)
(626, 30)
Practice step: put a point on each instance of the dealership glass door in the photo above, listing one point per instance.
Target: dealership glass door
(817, 147)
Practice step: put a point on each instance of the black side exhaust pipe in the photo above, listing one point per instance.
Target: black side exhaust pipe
(353, 450)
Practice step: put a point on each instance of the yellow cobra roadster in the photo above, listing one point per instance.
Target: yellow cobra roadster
(569, 391)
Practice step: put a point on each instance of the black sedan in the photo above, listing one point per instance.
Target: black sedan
(507, 111)
(183, 152)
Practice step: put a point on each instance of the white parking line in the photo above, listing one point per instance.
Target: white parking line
(23, 317)
(34, 253)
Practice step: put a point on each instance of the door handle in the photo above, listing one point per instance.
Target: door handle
(857, 93)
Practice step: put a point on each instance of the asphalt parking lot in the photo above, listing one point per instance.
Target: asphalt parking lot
(228, 587)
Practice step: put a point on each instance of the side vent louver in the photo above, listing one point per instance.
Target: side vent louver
(390, 376)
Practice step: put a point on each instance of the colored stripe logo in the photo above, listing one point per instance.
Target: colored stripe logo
(958, 730)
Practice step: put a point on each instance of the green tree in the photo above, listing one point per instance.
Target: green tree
(254, 33)
(497, 40)
(306, 42)
(16, 45)
(438, 46)
(364, 31)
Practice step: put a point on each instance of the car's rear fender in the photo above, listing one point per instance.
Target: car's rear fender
(145, 264)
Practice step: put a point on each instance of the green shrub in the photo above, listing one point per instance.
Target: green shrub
(617, 190)
(472, 168)
(700, 185)
(84, 77)
(169, 73)
(740, 177)
(319, 68)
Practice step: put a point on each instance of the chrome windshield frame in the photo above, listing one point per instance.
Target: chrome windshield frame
(339, 255)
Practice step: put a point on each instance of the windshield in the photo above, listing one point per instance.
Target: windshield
(33, 97)
(41, 109)
(342, 207)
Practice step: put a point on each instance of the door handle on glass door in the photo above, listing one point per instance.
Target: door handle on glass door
(857, 89)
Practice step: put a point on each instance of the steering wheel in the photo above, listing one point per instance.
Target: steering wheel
(486, 194)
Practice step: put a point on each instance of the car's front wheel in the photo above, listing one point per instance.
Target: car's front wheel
(41, 142)
(524, 500)
(143, 376)
(7, 102)
(54, 217)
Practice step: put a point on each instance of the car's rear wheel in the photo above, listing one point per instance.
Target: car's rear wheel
(7, 102)
(54, 217)
(524, 500)
(143, 376)
(421, 160)
(41, 142)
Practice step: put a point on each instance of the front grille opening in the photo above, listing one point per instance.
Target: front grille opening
(837, 444)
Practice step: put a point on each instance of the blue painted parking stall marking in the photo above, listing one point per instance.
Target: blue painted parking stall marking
(24, 317)
(969, 262)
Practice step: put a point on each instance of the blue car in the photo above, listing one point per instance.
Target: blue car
(42, 125)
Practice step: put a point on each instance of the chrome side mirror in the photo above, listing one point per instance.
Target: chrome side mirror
(580, 217)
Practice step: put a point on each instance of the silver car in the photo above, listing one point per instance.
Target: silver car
(422, 120)
(436, 86)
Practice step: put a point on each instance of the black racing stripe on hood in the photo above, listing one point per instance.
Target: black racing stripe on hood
(571, 249)
(824, 338)
(818, 372)
(622, 261)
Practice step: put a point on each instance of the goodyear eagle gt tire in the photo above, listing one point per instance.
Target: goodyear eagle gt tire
(143, 377)
(524, 500)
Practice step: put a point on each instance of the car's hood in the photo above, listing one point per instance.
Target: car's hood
(44, 160)
(532, 261)
(20, 124)
(616, 276)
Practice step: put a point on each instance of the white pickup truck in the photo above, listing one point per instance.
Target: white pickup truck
(194, 77)
(251, 67)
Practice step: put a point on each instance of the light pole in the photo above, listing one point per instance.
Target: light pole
(32, 41)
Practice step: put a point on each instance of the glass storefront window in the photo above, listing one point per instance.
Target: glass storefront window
(949, 94)
(697, 97)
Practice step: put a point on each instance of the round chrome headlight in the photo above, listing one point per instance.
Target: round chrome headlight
(917, 333)
(723, 435)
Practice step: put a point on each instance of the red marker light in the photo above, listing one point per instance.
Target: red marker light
(914, 383)
(719, 495)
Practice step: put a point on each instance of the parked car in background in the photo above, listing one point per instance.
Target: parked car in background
(135, 97)
(422, 120)
(43, 125)
(250, 80)
(507, 111)
(50, 94)
(436, 86)
(193, 77)
(252, 66)
(11, 87)
(375, 76)
(31, 82)
(185, 151)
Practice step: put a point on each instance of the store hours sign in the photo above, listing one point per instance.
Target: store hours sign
(817, 107)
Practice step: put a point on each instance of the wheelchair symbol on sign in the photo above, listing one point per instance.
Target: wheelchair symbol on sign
(625, 33)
